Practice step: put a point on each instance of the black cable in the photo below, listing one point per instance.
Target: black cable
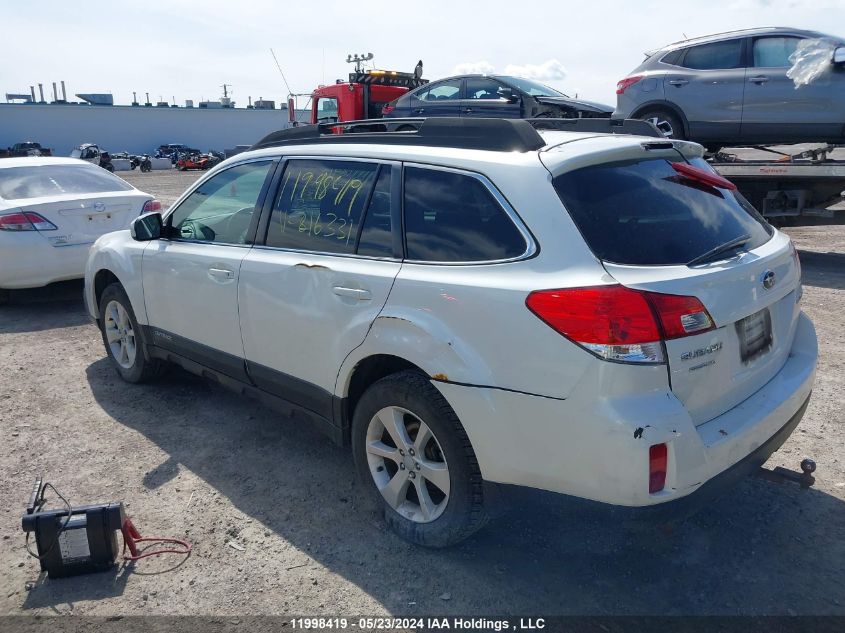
(40, 504)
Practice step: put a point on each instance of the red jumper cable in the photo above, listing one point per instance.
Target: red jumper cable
(131, 537)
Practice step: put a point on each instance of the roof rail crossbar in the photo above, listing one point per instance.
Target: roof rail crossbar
(502, 135)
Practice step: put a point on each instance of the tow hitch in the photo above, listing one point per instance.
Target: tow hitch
(781, 475)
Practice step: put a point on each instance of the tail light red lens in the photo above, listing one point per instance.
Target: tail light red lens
(618, 323)
(150, 206)
(610, 315)
(658, 461)
(623, 84)
(25, 221)
(680, 316)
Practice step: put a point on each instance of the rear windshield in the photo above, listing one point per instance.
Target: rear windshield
(642, 212)
(21, 183)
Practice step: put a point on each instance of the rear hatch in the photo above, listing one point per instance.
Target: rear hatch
(82, 201)
(652, 222)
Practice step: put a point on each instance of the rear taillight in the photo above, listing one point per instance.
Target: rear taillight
(623, 84)
(25, 221)
(658, 461)
(620, 324)
(387, 109)
(151, 206)
(680, 316)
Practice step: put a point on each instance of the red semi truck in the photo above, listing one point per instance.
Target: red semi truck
(362, 97)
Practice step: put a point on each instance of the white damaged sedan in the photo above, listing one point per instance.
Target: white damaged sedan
(51, 211)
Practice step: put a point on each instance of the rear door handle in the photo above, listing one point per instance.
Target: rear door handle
(353, 293)
(221, 273)
(679, 82)
(468, 110)
(760, 79)
(419, 110)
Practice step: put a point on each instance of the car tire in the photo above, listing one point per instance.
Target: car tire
(666, 121)
(123, 339)
(416, 508)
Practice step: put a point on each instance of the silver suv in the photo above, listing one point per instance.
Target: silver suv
(732, 89)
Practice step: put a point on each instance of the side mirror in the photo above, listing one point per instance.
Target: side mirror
(839, 55)
(147, 227)
(509, 95)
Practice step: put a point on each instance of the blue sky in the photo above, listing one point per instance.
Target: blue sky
(187, 50)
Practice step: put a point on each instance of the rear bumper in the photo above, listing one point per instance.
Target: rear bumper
(595, 445)
(27, 260)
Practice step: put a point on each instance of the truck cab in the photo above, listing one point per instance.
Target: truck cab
(362, 97)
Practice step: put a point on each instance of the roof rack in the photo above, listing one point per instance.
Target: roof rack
(501, 135)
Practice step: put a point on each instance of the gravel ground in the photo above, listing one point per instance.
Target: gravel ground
(278, 528)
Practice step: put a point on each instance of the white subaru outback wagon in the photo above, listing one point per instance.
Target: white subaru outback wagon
(478, 302)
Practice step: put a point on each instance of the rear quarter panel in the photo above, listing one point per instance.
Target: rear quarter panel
(469, 323)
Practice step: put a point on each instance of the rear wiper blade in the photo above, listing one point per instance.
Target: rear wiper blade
(742, 240)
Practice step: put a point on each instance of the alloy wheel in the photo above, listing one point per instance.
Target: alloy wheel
(407, 464)
(120, 335)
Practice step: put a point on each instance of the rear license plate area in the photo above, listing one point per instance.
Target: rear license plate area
(755, 335)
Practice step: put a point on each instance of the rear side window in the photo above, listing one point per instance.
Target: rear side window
(643, 213)
(376, 238)
(451, 217)
(672, 58)
(443, 91)
(320, 205)
(715, 56)
(21, 183)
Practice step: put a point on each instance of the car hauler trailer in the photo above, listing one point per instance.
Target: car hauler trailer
(805, 184)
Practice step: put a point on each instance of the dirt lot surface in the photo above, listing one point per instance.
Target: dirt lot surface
(277, 524)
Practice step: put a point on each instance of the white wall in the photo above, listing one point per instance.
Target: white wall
(134, 129)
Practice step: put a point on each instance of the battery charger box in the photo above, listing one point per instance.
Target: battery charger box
(87, 543)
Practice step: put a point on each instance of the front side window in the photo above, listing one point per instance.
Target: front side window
(320, 205)
(774, 52)
(483, 88)
(715, 56)
(19, 183)
(443, 91)
(221, 209)
(452, 217)
(326, 109)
